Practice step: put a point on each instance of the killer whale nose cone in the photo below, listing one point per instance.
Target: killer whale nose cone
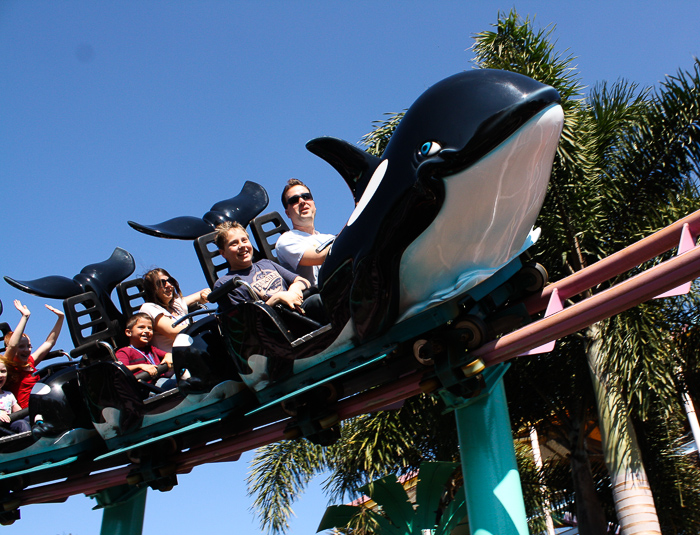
(450, 129)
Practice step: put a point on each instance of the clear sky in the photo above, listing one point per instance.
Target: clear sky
(114, 111)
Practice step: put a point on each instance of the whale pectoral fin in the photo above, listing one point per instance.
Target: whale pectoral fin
(177, 228)
(53, 286)
(354, 165)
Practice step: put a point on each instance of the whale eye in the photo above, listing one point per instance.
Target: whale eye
(429, 148)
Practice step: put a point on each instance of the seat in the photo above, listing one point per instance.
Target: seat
(207, 253)
(4, 328)
(275, 227)
(131, 296)
(214, 266)
(94, 334)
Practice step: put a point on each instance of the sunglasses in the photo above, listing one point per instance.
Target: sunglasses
(294, 199)
(163, 282)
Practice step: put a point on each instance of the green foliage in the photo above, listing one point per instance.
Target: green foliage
(280, 472)
(377, 140)
(439, 506)
(673, 475)
(371, 446)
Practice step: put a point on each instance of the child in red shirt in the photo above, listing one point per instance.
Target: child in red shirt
(20, 359)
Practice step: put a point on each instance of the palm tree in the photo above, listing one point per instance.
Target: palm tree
(625, 167)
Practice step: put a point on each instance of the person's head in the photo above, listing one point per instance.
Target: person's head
(298, 203)
(160, 287)
(139, 329)
(23, 350)
(234, 245)
(3, 373)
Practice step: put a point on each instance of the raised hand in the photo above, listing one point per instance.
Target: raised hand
(55, 311)
(22, 308)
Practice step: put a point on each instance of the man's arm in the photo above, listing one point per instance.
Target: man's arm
(312, 258)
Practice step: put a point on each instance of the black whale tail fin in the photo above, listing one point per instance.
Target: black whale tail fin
(244, 207)
(100, 278)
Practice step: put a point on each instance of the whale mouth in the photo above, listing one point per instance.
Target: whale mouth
(369, 192)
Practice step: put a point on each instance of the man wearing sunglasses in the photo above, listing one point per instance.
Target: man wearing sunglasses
(297, 249)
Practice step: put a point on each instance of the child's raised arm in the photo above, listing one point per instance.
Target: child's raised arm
(51, 339)
(16, 337)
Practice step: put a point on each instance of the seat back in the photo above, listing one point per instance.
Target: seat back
(131, 296)
(213, 264)
(4, 328)
(265, 227)
(90, 327)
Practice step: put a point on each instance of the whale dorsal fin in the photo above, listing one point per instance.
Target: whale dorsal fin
(53, 286)
(354, 165)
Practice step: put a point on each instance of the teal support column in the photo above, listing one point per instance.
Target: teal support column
(124, 509)
(494, 496)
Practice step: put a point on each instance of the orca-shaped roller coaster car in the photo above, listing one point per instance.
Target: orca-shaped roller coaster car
(431, 263)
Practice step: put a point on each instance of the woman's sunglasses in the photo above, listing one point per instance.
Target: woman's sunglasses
(163, 282)
(294, 199)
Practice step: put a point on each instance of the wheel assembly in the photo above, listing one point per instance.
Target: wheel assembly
(534, 277)
(472, 331)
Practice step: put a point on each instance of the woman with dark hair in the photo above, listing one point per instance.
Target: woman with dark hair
(166, 304)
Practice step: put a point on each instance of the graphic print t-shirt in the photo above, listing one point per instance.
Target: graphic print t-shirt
(266, 278)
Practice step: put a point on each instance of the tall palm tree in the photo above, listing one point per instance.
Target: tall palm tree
(625, 167)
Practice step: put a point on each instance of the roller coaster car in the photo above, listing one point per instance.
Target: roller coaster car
(127, 411)
(124, 410)
(61, 429)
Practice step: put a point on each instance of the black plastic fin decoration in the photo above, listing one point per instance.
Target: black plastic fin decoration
(53, 286)
(244, 207)
(354, 165)
(101, 278)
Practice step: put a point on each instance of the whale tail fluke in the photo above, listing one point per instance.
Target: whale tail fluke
(244, 207)
(101, 278)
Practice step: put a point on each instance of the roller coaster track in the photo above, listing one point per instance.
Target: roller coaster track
(646, 285)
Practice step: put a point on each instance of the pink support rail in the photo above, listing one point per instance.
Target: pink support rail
(617, 263)
(622, 296)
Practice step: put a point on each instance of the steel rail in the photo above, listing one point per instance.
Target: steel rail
(622, 296)
(224, 450)
(616, 264)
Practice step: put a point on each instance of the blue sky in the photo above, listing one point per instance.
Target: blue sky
(114, 111)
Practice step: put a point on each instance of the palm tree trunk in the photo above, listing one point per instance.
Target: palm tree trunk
(634, 502)
(589, 511)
